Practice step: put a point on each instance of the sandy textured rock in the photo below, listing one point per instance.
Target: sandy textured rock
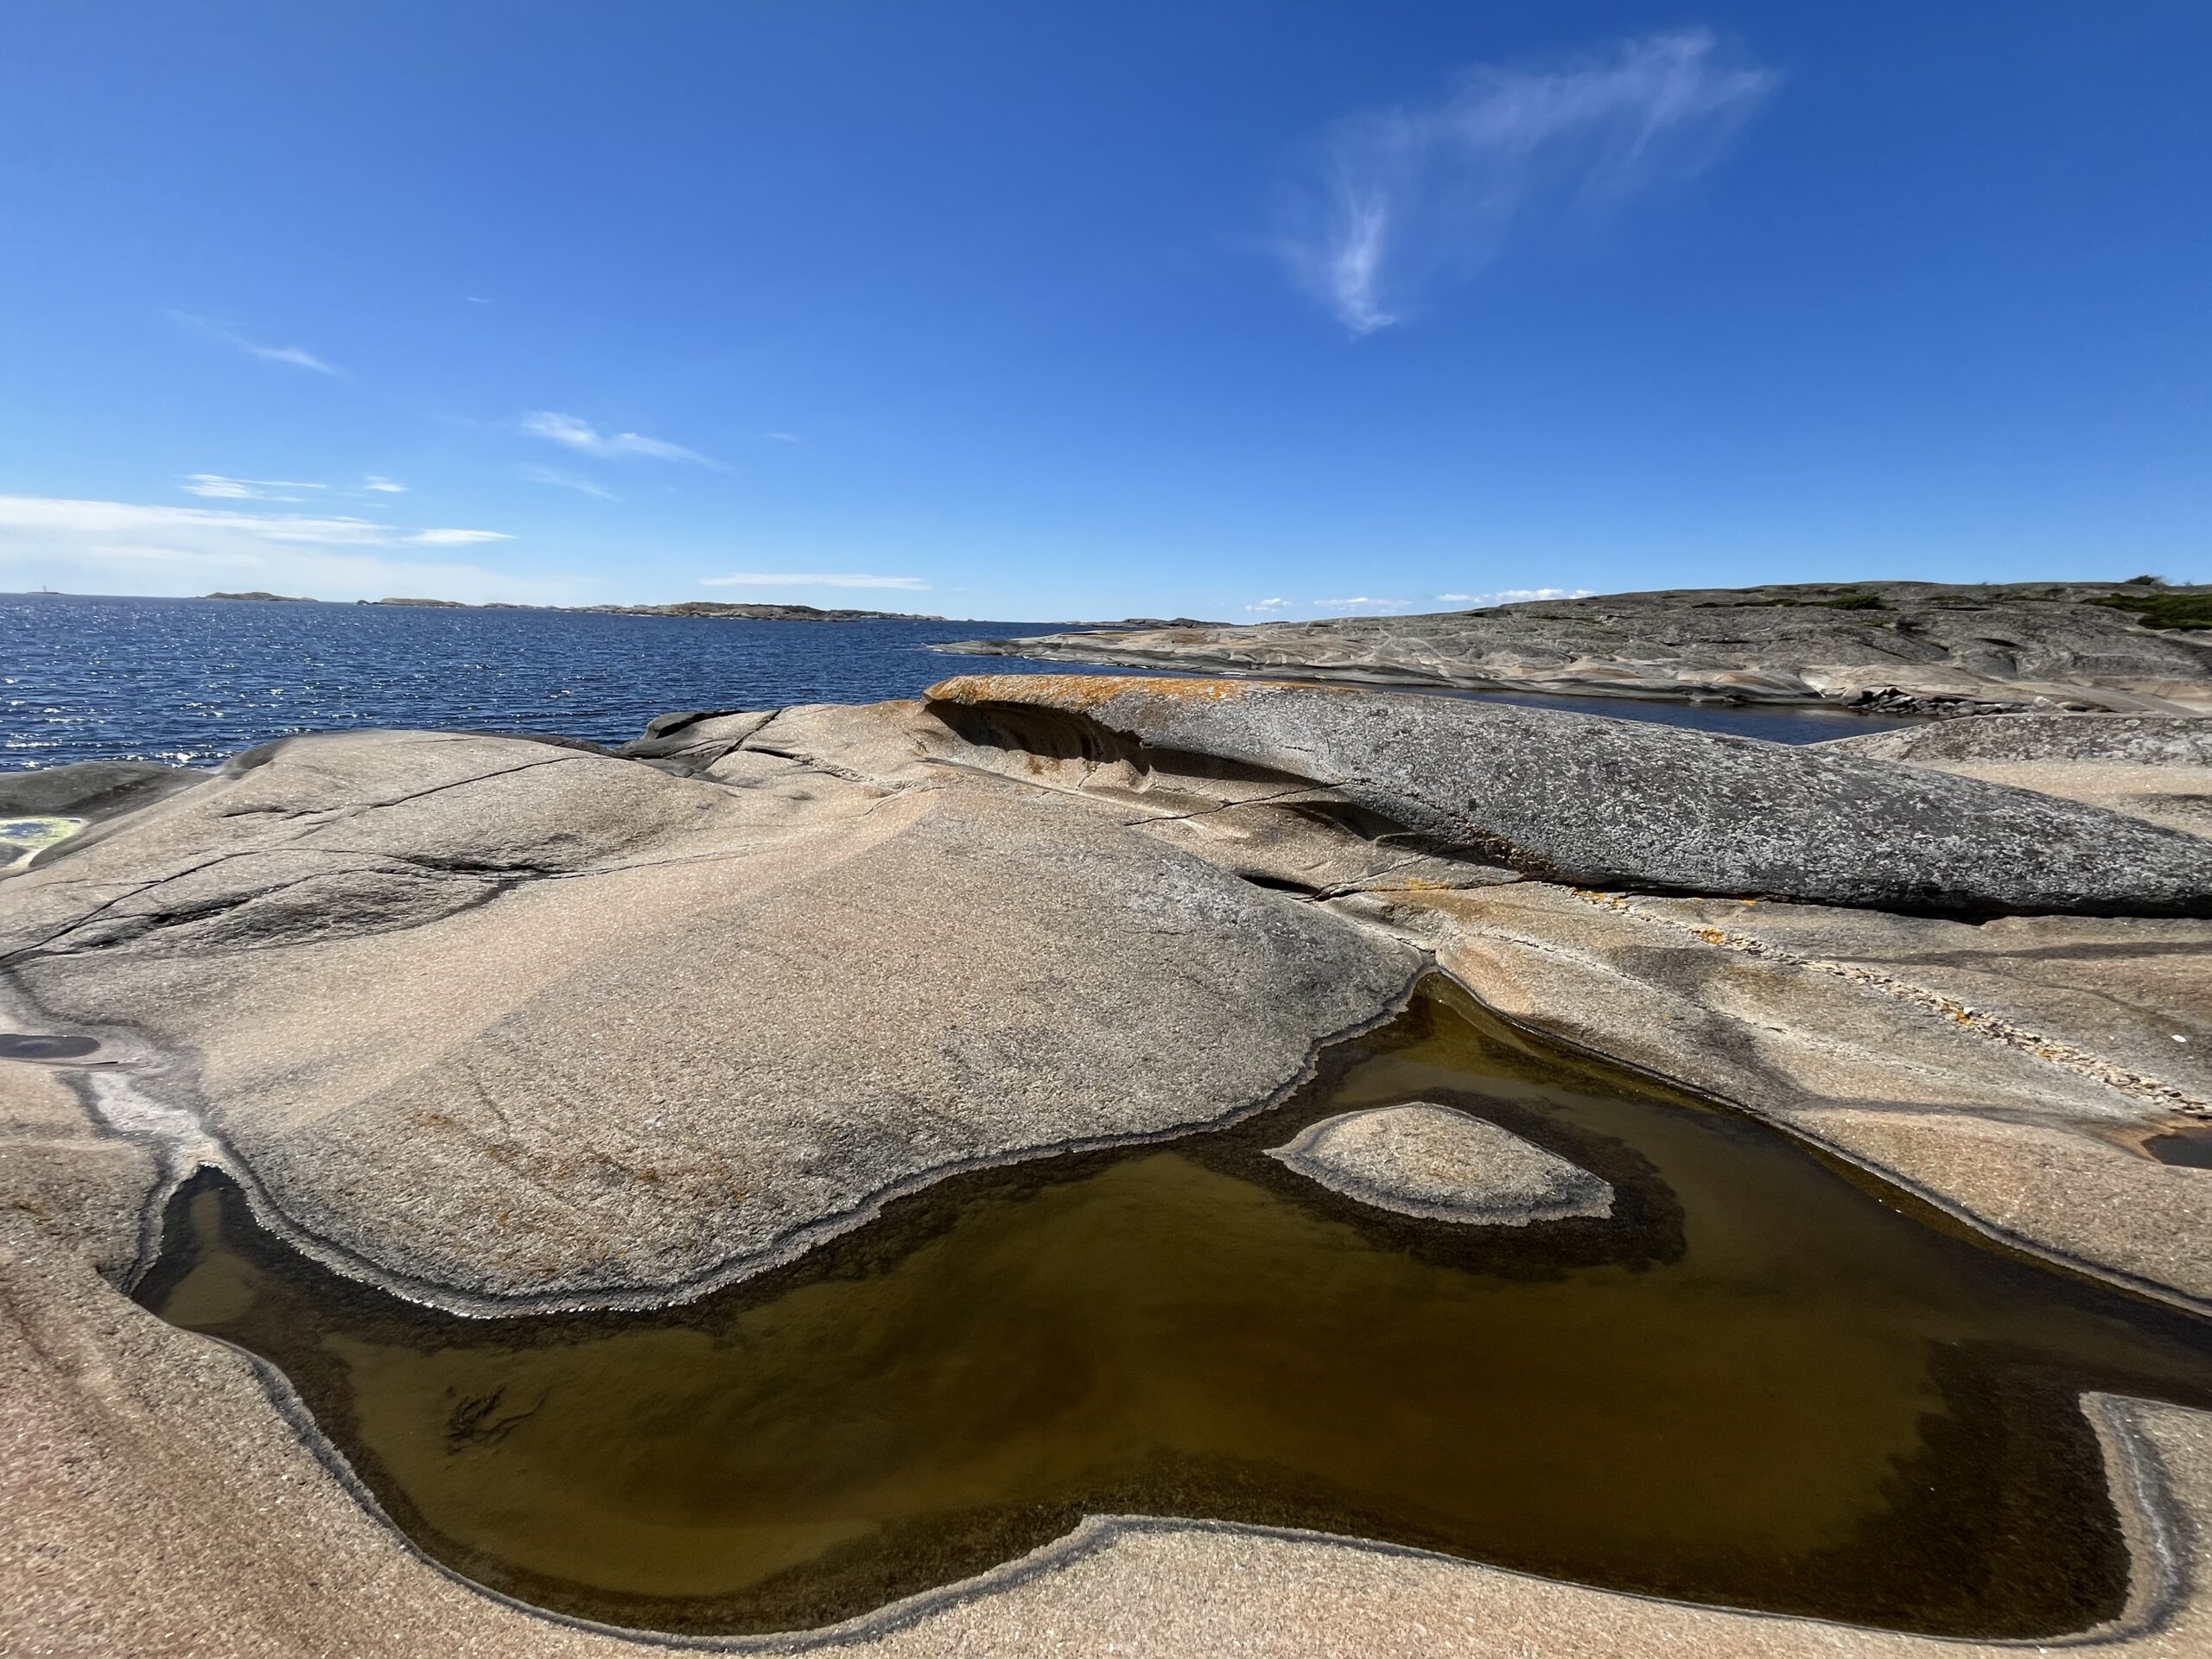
(497, 1018)
(2010, 1067)
(2152, 768)
(1429, 1160)
(157, 1498)
(2010, 1073)
(557, 1025)
(2105, 740)
(1583, 799)
(1919, 647)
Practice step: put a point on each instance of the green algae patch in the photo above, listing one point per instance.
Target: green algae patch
(20, 839)
(1764, 1380)
(2157, 609)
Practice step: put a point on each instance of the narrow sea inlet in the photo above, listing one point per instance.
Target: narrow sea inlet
(1764, 1380)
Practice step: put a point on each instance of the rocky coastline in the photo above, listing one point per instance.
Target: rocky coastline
(1897, 647)
(693, 607)
(496, 1023)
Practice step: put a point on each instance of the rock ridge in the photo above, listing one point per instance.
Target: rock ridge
(1897, 647)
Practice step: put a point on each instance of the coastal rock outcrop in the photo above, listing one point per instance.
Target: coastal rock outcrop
(501, 1023)
(2154, 767)
(492, 1020)
(91, 789)
(2097, 740)
(1429, 1160)
(1910, 647)
(1584, 800)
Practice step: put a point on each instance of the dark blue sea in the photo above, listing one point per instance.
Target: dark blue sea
(188, 681)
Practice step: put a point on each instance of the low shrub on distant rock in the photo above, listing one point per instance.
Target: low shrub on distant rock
(2163, 610)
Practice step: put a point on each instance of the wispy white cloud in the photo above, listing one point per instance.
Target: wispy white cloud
(456, 537)
(1268, 605)
(382, 486)
(1362, 603)
(586, 439)
(812, 579)
(216, 486)
(1403, 200)
(562, 480)
(116, 546)
(1512, 596)
(781, 437)
(297, 356)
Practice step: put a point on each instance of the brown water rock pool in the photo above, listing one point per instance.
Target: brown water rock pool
(1765, 1380)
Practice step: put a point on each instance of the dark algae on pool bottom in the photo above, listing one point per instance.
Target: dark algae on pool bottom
(1764, 1380)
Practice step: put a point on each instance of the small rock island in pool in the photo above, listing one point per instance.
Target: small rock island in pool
(1425, 1159)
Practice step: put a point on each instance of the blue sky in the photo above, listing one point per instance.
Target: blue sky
(1041, 312)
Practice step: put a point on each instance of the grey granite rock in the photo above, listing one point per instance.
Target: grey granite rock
(1909, 647)
(92, 789)
(2114, 740)
(2157, 768)
(1583, 799)
(1429, 1160)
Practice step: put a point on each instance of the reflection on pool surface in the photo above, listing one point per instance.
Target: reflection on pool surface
(1764, 1380)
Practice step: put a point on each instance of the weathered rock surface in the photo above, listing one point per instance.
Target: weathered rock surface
(1585, 800)
(120, 1428)
(91, 789)
(2153, 768)
(2103, 740)
(1911, 647)
(2010, 1071)
(494, 1019)
(1429, 1160)
(498, 1020)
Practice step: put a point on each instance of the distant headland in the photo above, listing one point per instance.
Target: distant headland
(689, 607)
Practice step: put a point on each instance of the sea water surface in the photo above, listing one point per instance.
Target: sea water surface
(190, 681)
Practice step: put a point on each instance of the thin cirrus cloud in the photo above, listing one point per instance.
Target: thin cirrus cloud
(125, 547)
(1512, 596)
(298, 357)
(586, 439)
(456, 537)
(561, 480)
(1404, 201)
(812, 579)
(216, 486)
(382, 486)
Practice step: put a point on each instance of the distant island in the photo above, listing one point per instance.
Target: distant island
(706, 607)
